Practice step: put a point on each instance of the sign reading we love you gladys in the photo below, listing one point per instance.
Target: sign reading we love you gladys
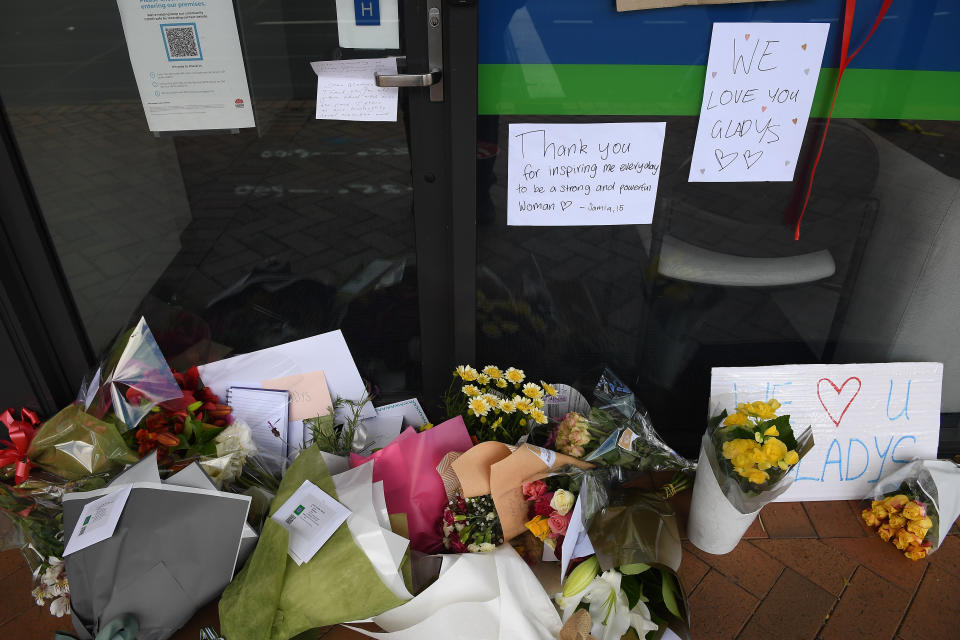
(868, 419)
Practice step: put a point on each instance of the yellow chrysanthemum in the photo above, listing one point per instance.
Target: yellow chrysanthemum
(478, 406)
(467, 373)
(483, 379)
(524, 405)
(507, 406)
(539, 403)
(501, 383)
(548, 388)
(470, 390)
(492, 371)
(492, 401)
(538, 416)
(532, 391)
(515, 376)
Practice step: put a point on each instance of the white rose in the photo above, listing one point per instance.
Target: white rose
(562, 501)
(487, 546)
(473, 548)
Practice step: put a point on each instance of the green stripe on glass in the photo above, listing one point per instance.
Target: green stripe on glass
(676, 90)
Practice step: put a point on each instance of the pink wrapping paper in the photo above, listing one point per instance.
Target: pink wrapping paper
(408, 468)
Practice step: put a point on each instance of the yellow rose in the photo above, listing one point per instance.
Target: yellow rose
(733, 448)
(895, 503)
(791, 457)
(915, 552)
(743, 460)
(904, 539)
(919, 527)
(736, 420)
(886, 532)
(758, 409)
(758, 477)
(913, 511)
(897, 521)
(880, 511)
(539, 527)
(869, 518)
(773, 403)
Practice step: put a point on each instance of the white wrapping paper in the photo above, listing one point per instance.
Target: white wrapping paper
(715, 525)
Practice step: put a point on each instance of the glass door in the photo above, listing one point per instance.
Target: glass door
(235, 239)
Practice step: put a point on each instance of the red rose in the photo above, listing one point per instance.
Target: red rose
(457, 546)
(542, 506)
(533, 490)
(558, 523)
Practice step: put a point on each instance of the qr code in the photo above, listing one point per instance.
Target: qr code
(292, 517)
(181, 42)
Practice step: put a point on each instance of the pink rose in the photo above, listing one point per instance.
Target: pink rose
(542, 506)
(534, 490)
(558, 523)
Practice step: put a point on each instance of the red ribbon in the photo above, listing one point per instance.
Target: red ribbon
(21, 434)
(849, 11)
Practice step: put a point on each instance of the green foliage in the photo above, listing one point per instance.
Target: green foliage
(333, 438)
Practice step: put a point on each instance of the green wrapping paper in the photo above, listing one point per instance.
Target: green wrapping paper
(74, 445)
(273, 598)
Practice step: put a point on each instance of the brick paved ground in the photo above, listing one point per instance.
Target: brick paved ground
(803, 572)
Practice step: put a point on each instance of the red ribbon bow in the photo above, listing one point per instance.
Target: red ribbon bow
(21, 434)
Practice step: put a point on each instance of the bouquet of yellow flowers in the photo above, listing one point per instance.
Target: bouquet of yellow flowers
(757, 447)
(745, 462)
(497, 404)
(914, 507)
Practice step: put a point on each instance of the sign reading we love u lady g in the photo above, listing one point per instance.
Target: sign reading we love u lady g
(867, 419)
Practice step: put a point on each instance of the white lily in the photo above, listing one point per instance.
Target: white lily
(609, 610)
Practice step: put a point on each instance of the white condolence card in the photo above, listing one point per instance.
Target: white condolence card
(311, 517)
(98, 520)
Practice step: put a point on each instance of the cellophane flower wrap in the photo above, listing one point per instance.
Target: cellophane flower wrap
(615, 431)
(632, 581)
(751, 450)
(73, 445)
(132, 380)
(914, 507)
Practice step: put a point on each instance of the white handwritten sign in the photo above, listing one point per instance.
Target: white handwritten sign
(760, 82)
(868, 419)
(583, 174)
(347, 90)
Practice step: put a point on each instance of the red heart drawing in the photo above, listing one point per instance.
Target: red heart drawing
(763, 108)
(804, 47)
(794, 121)
(746, 37)
(838, 391)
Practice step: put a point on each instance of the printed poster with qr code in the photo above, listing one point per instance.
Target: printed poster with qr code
(188, 63)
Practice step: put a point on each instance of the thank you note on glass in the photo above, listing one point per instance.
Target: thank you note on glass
(346, 90)
(760, 82)
(583, 174)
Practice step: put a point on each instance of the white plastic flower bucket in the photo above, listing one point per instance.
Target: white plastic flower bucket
(715, 525)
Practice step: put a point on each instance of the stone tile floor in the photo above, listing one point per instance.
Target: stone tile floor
(803, 572)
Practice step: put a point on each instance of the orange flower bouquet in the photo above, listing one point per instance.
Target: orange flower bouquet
(914, 507)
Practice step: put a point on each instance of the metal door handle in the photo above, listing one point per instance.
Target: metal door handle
(408, 79)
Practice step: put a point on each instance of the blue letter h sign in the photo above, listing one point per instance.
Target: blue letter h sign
(367, 12)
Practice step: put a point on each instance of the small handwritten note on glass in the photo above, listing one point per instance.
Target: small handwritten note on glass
(760, 82)
(583, 174)
(346, 90)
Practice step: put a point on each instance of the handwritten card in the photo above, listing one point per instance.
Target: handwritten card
(309, 395)
(583, 174)
(760, 82)
(868, 419)
(346, 90)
